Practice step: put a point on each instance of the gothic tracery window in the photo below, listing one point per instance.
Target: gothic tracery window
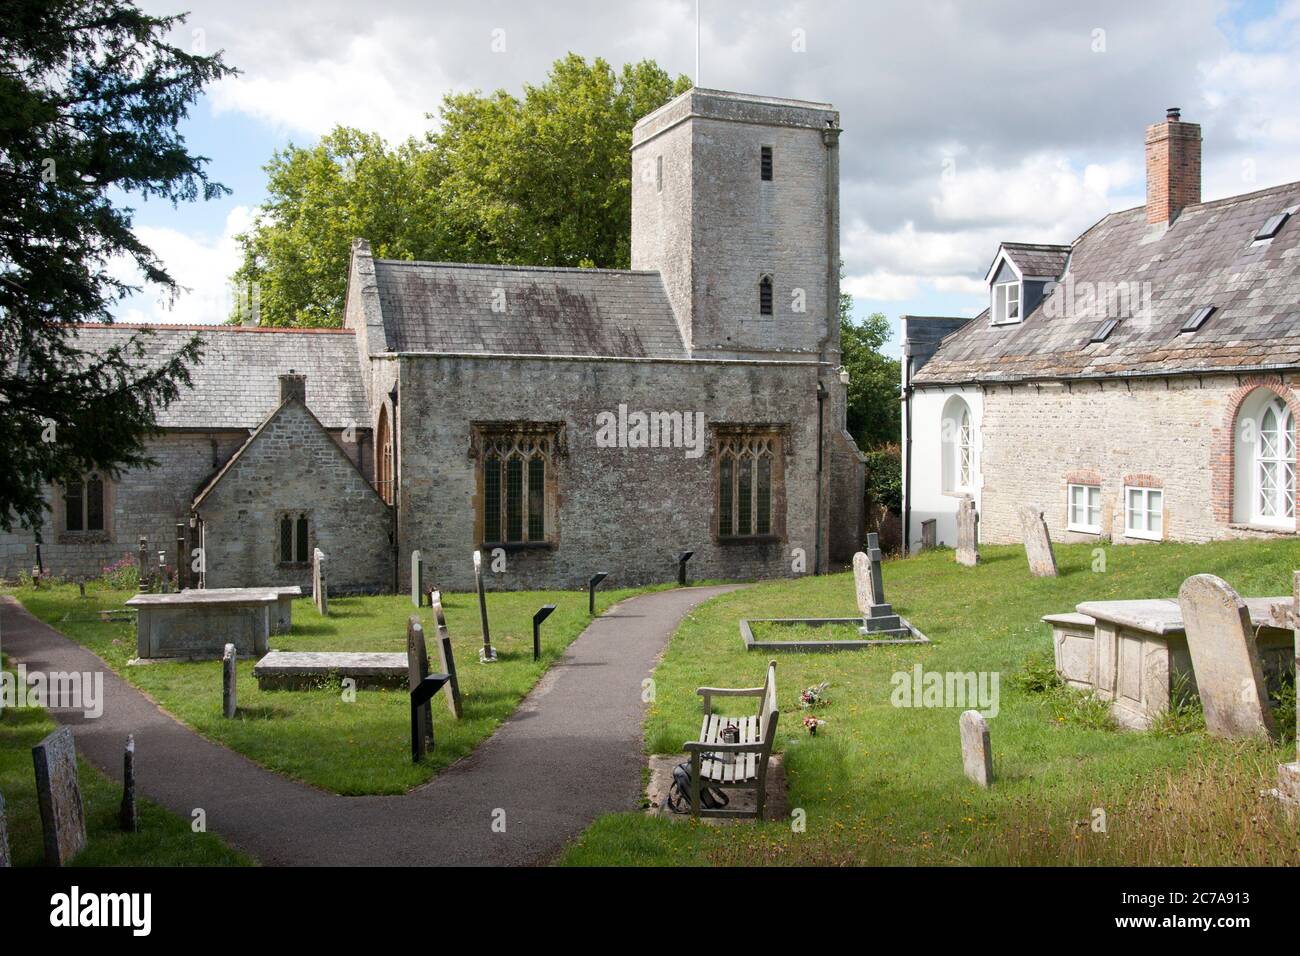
(515, 482)
(748, 469)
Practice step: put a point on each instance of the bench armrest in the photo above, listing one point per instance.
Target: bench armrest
(694, 746)
(708, 693)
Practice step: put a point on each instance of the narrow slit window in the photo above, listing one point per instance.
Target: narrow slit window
(726, 474)
(94, 503)
(763, 492)
(765, 164)
(744, 497)
(765, 295)
(286, 539)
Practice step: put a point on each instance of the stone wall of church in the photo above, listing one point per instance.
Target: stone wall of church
(146, 502)
(1175, 434)
(627, 511)
(295, 466)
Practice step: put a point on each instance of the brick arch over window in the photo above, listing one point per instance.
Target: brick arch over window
(1223, 467)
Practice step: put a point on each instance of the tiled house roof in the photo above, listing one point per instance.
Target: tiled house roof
(1037, 260)
(237, 381)
(1207, 257)
(441, 307)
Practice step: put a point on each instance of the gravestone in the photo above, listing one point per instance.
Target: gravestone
(63, 817)
(319, 590)
(1225, 662)
(1038, 543)
(128, 817)
(1288, 774)
(229, 675)
(878, 617)
(417, 669)
(143, 559)
(5, 859)
(417, 577)
(968, 541)
(487, 655)
(976, 755)
(929, 534)
(445, 655)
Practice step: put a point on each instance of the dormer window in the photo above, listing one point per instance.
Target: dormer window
(1006, 302)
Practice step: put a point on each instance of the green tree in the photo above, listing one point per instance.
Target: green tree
(542, 179)
(90, 99)
(874, 412)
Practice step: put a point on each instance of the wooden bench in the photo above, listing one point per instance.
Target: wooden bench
(734, 766)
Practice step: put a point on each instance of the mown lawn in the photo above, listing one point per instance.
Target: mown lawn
(164, 839)
(357, 747)
(881, 784)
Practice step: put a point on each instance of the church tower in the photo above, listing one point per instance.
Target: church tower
(735, 201)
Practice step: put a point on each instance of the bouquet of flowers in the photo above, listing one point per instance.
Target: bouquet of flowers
(812, 723)
(811, 697)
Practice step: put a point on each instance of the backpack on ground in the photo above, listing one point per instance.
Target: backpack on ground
(679, 794)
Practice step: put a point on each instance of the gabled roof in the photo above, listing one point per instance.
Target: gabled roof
(1031, 260)
(237, 381)
(1208, 256)
(525, 310)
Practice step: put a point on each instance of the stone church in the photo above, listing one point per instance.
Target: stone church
(563, 421)
(1139, 384)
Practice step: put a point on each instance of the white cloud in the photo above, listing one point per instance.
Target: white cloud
(200, 265)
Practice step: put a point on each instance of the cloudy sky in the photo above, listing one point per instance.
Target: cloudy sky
(966, 122)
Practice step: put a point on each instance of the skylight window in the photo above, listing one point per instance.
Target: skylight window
(1197, 319)
(1104, 330)
(1271, 227)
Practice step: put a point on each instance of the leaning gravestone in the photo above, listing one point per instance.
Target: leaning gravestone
(5, 859)
(878, 617)
(445, 655)
(417, 669)
(968, 542)
(487, 655)
(229, 675)
(417, 577)
(319, 591)
(1038, 543)
(976, 755)
(128, 817)
(63, 817)
(1288, 774)
(1225, 663)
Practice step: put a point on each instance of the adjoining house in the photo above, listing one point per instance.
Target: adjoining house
(1139, 384)
(565, 421)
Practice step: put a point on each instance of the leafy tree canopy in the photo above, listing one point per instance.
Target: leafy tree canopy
(541, 179)
(874, 411)
(90, 98)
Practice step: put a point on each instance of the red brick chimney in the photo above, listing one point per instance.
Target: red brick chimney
(1173, 167)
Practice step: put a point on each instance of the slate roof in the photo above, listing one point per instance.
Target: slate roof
(1207, 257)
(237, 381)
(1037, 259)
(447, 307)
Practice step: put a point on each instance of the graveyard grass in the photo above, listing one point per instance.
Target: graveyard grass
(883, 785)
(362, 747)
(164, 839)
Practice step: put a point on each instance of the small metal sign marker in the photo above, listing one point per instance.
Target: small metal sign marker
(542, 614)
(591, 590)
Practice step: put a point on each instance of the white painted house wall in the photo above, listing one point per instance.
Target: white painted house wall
(930, 495)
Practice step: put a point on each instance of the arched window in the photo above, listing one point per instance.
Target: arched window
(957, 435)
(746, 475)
(1265, 462)
(518, 505)
(765, 295)
(384, 458)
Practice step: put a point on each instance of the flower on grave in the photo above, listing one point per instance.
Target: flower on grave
(812, 723)
(813, 696)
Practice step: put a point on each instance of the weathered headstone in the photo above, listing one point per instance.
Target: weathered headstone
(319, 589)
(487, 655)
(417, 577)
(445, 656)
(929, 534)
(63, 817)
(1225, 663)
(968, 541)
(229, 676)
(976, 755)
(1038, 543)
(143, 558)
(1288, 774)
(127, 815)
(5, 859)
(417, 668)
(182, 562)
(878, 617)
